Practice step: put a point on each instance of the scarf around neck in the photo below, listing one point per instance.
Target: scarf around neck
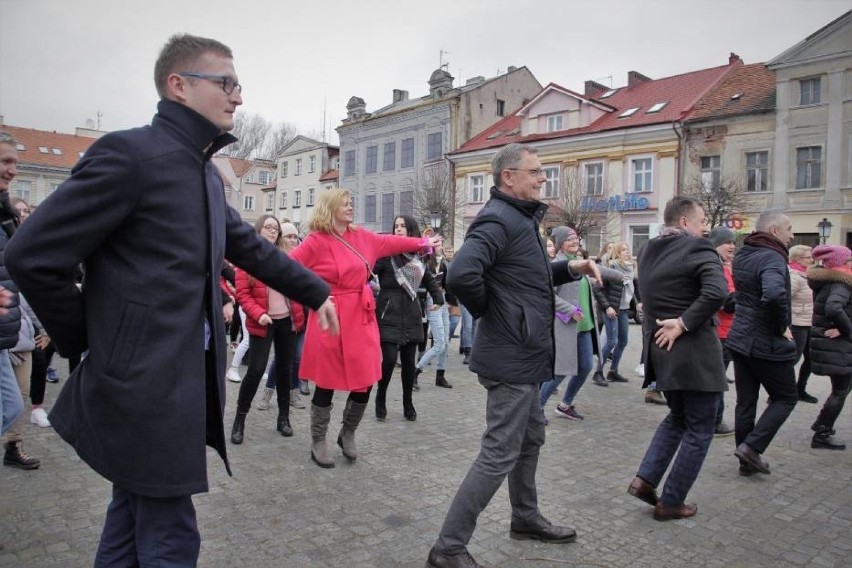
(408, 270)
(765, 240)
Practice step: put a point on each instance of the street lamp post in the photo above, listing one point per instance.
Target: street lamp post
(824, 227)
(436, 220)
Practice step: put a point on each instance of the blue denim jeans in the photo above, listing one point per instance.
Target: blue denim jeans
(439, 323)
(617, 330)
(11, 401)
(585, 361)
(468, 329)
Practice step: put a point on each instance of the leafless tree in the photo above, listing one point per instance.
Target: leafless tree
(258, 137)
(437, 193)
(720, 198)
(567, 209)
(277, 139)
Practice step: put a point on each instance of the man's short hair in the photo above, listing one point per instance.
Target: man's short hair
(677, 207)
(508, 157)
(180, 54)
(768, 219)
(6, 138)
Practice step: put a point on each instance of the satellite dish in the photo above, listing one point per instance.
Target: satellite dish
(90, 123)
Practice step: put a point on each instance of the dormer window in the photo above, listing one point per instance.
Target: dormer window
(20, 147)
(43, 150)
(609, 93)
(554, 123)
(628, 112)
(57, 152)
(656, 108)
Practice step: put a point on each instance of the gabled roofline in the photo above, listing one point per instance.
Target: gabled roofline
(554, 87)
(780, 60)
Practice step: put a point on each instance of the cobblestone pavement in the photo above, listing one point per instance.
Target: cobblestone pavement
(385, 510)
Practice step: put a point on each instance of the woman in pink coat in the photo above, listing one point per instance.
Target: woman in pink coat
(343, 255)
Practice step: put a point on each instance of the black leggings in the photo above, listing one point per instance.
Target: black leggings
(322, 397)
(38, 376)
(281, 334)
(407, 354)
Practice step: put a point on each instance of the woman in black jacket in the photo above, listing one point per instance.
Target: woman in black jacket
(831, 335)
(399, 316)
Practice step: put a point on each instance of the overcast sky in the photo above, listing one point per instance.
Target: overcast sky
(64, 61)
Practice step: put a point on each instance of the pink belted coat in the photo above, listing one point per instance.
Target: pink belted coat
(351, 361)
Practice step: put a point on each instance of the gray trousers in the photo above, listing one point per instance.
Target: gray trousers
(514, 433)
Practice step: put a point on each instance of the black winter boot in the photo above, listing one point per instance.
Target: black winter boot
(440, 381)
(239, 428)
(16, 457)
(284, 424)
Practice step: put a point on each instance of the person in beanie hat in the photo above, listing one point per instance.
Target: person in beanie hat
(724, 241)
(831, 335)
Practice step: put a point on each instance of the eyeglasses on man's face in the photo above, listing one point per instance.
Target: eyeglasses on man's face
(228, 84)
(535, 173)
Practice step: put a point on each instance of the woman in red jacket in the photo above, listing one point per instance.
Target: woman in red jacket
(270, 318)
(344, 255)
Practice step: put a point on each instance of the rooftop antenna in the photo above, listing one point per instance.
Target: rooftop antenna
(100, 114)
(602, 78)
(441, 64)
(324, 104)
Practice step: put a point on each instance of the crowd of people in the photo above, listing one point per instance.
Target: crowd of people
(345, 306)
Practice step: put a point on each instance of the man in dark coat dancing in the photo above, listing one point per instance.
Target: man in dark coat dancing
(682, 286)
(145, 211)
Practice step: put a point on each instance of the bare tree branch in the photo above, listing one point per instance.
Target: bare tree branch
(437, 193)
(567, 209)
(720, 199)
(279, 136)
(259, 138)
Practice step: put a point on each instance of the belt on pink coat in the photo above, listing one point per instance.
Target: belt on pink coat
(368, 301)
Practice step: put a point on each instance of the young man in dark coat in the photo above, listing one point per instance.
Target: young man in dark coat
(683, 287)
(760, 340)
(145, 210)
(504, 277)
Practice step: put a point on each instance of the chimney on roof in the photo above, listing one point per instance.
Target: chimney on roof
(399, 95)
(475, 80)
(593, 89)
(635, 78)
(511, 68)
(733, 58)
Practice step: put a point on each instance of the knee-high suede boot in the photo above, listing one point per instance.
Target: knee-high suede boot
(320, 416)
(352, 415)
(239, 428)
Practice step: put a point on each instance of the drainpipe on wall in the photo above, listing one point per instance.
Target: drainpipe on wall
(678, 164)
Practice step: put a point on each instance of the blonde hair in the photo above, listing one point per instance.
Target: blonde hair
(616, 251)
(327, 204)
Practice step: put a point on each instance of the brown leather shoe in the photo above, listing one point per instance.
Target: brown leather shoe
(752, 457)
(643, 490)
(682, 511)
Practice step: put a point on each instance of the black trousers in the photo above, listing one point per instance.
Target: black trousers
(833, 404)
(802, 335)
(407, 354)
(281, 334)
(779, 380)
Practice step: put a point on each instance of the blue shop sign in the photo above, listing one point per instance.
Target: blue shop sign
(630, 202)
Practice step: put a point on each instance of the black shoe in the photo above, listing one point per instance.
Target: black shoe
(410, 414)
(825, 441)
(16, 457)
(381, 413)
(542, 530)
(805, 397)
(463, 560)
(284, 426)
(752, 457)
(442, 382)
(238, 431)
(614, 377)
(466, 359)
(746, 470)
(599, 379)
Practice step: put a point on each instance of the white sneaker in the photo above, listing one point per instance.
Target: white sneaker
(233, 375)
(39, 417)
(640, 369)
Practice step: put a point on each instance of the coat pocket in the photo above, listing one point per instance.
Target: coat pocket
(130, 329)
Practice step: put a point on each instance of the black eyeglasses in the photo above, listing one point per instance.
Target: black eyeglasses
(536, 172)
(228, 83)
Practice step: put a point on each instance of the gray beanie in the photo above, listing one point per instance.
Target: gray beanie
(561, 234)
(720, 235)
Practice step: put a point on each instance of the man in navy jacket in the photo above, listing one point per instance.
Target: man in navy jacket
(145, 211)
(503, 276)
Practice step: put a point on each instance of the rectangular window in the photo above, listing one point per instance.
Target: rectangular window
(370, 208)
(310, 197)
(283, 204)
(808, 167)
(297, 198)
(264, 177)
(551, 185)
(270, 201)
(407, 157)
(810, 91)
(248, 203)
(406, 203)
(757, 171)
(23, 188)
(389, 156)
(639, 235)
(477, 188)
(349, 163)
(711, 172)
(554, 123)
(298, 171)
(501, 108)
(372, 159)
(642, 172)
(593, 177)
(387, 212)
(284, 165)
(312, 164)
(434, 147)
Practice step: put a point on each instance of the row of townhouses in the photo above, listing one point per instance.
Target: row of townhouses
(775, 135)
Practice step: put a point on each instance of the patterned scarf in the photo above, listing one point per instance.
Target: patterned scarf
(408, 270)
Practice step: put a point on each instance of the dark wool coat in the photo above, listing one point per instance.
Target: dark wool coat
(503, 276)
(10, 323)
(762, 282)
(832, 309)
(145, 210)
(681, 276)
(400, 317)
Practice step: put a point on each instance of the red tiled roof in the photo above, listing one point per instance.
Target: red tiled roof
(70, 147)
(240, 166)
(680, 92)
(330, 175)
(747, 89)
